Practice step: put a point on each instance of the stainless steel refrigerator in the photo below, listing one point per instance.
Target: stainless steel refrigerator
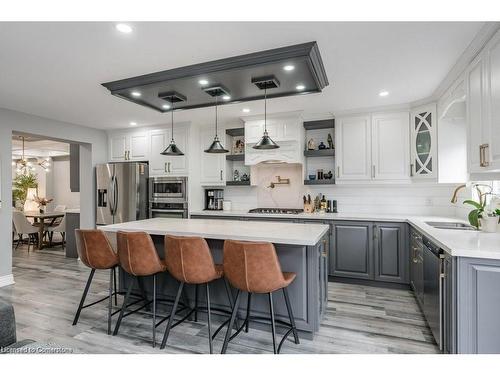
(122, 192)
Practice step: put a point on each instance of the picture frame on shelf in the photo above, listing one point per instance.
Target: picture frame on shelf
(238, 146)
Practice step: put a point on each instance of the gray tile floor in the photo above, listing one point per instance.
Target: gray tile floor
(360, 319)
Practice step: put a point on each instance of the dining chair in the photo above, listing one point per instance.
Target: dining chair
(24, 227)
(59, 228)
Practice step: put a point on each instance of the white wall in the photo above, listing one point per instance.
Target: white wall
(92, 151)
(61, 193)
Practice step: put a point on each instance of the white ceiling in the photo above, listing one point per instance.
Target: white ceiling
(38, 148)
(55, 70)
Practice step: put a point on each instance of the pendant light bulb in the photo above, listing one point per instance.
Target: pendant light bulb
(265, 143)
(172, 149)
(216, 147)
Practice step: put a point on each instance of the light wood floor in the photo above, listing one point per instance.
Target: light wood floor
(360, 319)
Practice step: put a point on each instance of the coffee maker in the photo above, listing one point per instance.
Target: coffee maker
(214, 199)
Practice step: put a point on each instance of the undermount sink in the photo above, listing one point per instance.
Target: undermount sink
(450, 225)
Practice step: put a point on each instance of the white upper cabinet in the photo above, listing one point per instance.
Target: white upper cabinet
(372, 148)
(423, 125)
(284, 129)
(128, 146)
(163, 165)
(353, 142)
(492, 106)
(213, 166)
(390, 146)
(483, 109)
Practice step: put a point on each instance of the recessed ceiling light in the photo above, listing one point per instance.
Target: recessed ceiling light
(383, 93)
(226, 97)
(288, 68)
(246, 110)
(300, 87)
(123, 28)
(136, 93)
(133, 123)
(166, 106)
(203, 82)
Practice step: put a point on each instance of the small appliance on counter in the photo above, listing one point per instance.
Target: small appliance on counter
(214, 199)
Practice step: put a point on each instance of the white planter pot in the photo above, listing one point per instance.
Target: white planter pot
(489, 224)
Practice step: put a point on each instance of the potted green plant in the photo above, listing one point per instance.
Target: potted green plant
(482, 217)
(20, 186)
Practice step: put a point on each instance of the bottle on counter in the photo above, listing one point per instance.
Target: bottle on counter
(323, 204)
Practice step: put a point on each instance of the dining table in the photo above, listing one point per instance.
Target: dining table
(42, 221)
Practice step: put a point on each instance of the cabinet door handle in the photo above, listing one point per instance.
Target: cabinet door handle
(128, 155)
(482, 155)
(338, 172)
(166, 170)
(221, 174)
(411, 170)
(373, 171)
(169, 167)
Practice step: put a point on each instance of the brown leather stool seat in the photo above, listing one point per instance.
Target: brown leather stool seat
(96, 252)
(138, 257)
(189, 261)
(253, 267)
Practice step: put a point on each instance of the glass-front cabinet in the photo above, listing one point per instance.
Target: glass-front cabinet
(423, 164)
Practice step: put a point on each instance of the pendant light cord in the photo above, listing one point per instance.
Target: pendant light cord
(172, 117)
(216, 97)
(265, 108)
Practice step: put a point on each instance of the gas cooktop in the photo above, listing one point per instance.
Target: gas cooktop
(276, 211)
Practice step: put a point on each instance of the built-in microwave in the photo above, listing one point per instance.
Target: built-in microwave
(171, 189)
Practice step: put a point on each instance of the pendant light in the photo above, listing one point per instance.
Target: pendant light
(172, 149)
(216, 147)
(265, 143)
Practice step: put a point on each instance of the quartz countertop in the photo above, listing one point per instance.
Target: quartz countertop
(460, 243)
(281, 233)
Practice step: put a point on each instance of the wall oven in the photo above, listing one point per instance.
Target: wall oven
(171, 188)
(168, 197)
(171, 210)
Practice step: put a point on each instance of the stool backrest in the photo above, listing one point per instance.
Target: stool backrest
(189, 259)
(94, 249)
(137, 254)
(252, 266)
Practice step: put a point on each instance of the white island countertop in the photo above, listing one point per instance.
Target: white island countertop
(280, 233)
(460, 243)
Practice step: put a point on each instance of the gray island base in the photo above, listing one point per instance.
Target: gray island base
(306, 256)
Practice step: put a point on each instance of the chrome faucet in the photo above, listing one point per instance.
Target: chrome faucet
(281, 181)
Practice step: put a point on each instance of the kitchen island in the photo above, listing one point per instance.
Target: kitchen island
(301, 248)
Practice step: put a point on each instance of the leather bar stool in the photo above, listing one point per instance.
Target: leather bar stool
(253, 267)
(189, 261)
(138, 257)
(96, 252)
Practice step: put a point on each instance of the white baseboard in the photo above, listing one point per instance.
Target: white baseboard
(6, 280)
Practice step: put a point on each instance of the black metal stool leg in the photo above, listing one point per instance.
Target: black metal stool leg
(209, 320)
(273, 327)
(290, 315)
(196, 303)
(154, 311)
(172, 316)
(84, 295)
(122, 311)
(231, 322)
(114, 284)
(249, 304)
(110, 302)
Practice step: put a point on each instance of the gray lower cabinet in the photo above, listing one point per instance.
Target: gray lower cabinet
(391, 252)
(352, 254)
(478, 302)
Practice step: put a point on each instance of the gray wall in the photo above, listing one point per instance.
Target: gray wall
(93, 151)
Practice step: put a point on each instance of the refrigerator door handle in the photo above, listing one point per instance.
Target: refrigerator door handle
(115, 195)
(111, 198)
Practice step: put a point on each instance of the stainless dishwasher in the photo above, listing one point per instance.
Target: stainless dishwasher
(433, 292)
